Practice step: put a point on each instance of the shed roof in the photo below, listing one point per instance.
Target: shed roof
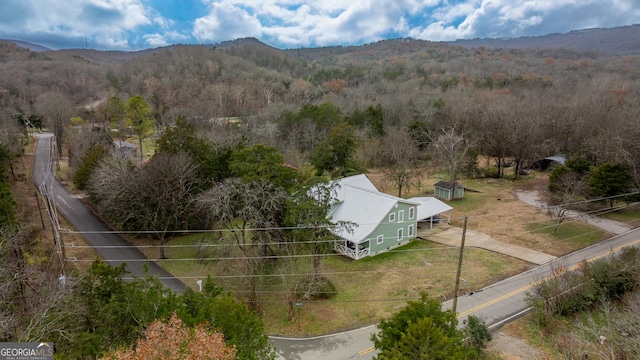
(548, 162)
(429, 206)
(446, 184)
(123, 144)
(560, 159)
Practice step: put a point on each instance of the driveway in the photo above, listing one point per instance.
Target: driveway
(533, 198)
(452, 236)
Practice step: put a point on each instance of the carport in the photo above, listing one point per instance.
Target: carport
(429, 207)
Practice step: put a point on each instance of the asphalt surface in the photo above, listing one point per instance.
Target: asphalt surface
(496, 304)
(95, 231)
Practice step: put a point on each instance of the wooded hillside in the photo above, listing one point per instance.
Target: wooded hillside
(509, 103)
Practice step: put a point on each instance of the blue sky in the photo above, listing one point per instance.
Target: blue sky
(141, 24)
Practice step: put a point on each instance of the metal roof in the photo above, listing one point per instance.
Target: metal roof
(119, 144)
(446, 184)
(429, 206)
(561, 159)
(362, 205)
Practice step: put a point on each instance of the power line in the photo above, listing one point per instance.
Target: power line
(267, 257)
(328, 227)
(282, 275)
(299, 242)
(209, 245)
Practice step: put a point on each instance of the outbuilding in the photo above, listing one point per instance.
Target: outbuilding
(446, 191)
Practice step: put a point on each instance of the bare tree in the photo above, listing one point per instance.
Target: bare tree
(12, 138)
(112, 184)
(558, 213)
(57, 109)
(402, 153)
(52, 310)
(158, 197)
(496, 134)
(451, 149)
(524, 134)
(249, 211)
(167, 194)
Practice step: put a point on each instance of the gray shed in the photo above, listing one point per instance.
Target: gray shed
(125, 148)
(445, 191)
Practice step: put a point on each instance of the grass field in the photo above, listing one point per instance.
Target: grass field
(572, 234)
(373, 288)
(366, 290)
(630, 214)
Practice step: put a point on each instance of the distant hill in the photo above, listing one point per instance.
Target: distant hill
(623, 40)
(30, 46)
(104, 57)
(250, 41)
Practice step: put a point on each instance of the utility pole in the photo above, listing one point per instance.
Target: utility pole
(455, 293)
(39, 209)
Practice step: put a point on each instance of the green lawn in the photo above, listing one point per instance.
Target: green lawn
(367, 290)
(573, 234)
(372, 288)
(628, 215)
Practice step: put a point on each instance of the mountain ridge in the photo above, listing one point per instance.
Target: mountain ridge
(623, 40)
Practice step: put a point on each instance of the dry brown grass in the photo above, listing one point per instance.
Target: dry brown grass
(374, 288)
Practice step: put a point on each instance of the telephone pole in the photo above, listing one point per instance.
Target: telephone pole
(455, 293)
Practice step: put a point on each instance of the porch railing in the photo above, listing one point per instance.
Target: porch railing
(352, 253)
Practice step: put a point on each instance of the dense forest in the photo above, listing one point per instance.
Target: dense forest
(508, 103)
(245, 135)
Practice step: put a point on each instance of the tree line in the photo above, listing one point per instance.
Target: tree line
(592, 311)
(510, 105)
(246, 137)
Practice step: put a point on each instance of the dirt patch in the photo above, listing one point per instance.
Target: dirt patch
(494, 210)
(512, 348)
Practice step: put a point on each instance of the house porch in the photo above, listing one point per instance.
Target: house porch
(352, 249)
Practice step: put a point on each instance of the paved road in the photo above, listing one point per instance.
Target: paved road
(533, 198)
(495, 304)
(97, 233)
(355, 344)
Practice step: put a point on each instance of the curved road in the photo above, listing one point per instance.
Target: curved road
(496, 304)
(96, 232)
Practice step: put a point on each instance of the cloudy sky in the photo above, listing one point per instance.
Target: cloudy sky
(140, 24)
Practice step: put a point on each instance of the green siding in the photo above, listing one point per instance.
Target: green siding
(445, 194)
(389, 230)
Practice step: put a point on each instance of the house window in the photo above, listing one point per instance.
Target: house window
(410, 231)
(411, 213)
(400, 234)
(392, 217)
(401, 216)
(380, 239)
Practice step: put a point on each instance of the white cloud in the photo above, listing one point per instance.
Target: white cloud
(304, 23)
(126, 24)
(104, 21)
(80, 17)
(155, 40)
(501, 18)
(226, 21)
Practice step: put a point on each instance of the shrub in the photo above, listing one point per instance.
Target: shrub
(89, 161)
